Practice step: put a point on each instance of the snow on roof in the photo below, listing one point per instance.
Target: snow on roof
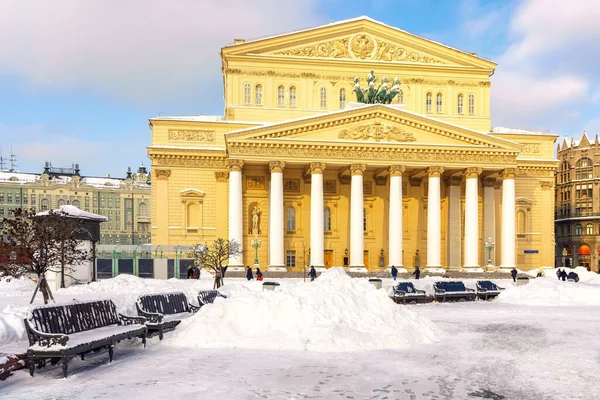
(75, 212)
(201, 118)
(189, 148)
(513, 131)
(17, 177)
(361, 18)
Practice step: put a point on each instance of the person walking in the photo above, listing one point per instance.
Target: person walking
(259, 275)
(513, 273)
(249, 275)
(196, 272)
(394, 272)
(558, 274)
(190, 272)
(312, 273)
(563, 275)
(417, 272)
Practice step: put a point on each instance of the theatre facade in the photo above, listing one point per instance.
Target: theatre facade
(299, 167)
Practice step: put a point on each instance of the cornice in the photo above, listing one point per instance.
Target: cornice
(161, 160)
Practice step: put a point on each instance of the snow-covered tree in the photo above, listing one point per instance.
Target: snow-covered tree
(215, 255)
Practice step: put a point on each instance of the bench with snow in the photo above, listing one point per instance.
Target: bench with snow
(405, 292)
(164, 311)
(452, 290)
(208, 296)
(60, 332)
(487, 290)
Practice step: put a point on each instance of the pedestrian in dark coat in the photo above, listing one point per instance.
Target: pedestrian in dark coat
(394, 272)
(563, 275)
(558, 274)
(190, 272)
(249, 275)
(196, 272)
(312, 273)
(259, 275)
(513, 273)
(417, 272)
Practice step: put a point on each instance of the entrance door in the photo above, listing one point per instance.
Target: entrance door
(328, 258)
(366, 259)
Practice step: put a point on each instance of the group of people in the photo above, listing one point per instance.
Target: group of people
(416, 272)
(562, 275)
(193, 272)
(250, 276)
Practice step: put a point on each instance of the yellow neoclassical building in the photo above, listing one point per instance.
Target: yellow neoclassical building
(319, 178)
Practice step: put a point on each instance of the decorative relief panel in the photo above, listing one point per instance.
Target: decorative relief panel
(192, 136)
(378, 132)
(531, 148)
(367, 187)
(189, 162)
(291, 185)
(329, 186)
(255, 182)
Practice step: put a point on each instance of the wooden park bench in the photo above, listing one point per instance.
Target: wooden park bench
(452, 290)
(60, 332)
(405, 292)
(487, 290)
(164, 311)
(208, 296)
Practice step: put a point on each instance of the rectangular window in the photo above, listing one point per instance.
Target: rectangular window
(146, 268)
(33, 199)
(183, 268)
(170, 268)
(290, 258)
(247, 94)
(25, 199)
(292, 96)
(125, 266)
(1, 211)
(87, 202)
(9, 198)
(1, 197)
(104, 268)
(17, 198)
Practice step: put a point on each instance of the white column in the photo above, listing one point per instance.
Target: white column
(276, 257)
(471, 244)
(395, 234)
(434, 223)
(507, 258)
(357, 246)
(454, 232)
(317, 234)
(235, 208)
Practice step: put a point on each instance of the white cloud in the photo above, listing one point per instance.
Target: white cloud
(140, 50)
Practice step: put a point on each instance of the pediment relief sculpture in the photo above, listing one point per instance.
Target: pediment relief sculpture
(362, 46)
(378, 132)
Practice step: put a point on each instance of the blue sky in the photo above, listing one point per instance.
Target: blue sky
(80, 78)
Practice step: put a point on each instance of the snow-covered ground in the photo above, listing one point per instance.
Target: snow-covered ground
(334, 338)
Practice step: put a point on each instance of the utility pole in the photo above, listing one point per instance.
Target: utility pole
(12, 159)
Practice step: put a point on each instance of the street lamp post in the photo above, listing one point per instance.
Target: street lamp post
(489, 246)
(256, 242)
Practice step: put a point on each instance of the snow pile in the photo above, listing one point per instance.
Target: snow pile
(552, 292)
(10, 287)
(333, 313)
(11, 324)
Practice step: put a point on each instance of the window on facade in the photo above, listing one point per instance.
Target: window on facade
(428, 103)
(25, 199)
(60, 202)
(323, 97)
(247, 94)
(439, 104)
(142, 210)
(327, 219)
(564, 172)
(258, 95)
(33, 199)
(87, 202)
(1, 197)
(342, 98)
(568, 230)
(521, 222)
(44, 203)
(293, 96)
(584, 191)
(583, 208)
(578, 230)
(290, 219)
(364, 219)
(583, 169)
(459, 104)
(280, 96)
(75, 203)
(589, 229)
(9, 198)
(471, 104)
(1, 211)
(290, 258)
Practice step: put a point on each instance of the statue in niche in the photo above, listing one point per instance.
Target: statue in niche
(255, 218)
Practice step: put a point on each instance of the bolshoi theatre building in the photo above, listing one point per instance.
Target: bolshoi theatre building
(316, 177)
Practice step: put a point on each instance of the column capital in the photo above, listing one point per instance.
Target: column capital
(490, 182)
(276, 166)
(221, 176)
(317, 167)
(357, 169)
(472, 172)
(435, 171)
(162, 173)
(397, 170)
(547, 185)
(235, 165)
(509, 173)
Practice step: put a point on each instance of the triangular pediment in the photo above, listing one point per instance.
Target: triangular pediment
(372, 125)
(360, 39)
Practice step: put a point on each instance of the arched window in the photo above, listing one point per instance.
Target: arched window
(44, 204)
(61, 202)
(471, 104)
(75, 203)
(428, 103)
(589, 229)
(364, 219)
(247, 94)
(568, 230)
(401, 97)
(327, 219)
(459, 104)
(578, 230)
(290, 219)
(280, 96)
(342, 98)
(583, 169)
(323, 96)
(258, 95)
(293, 96)
(438, 102)
(142, 210)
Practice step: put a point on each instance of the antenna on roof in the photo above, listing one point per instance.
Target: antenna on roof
(12, 160)
(1, 160)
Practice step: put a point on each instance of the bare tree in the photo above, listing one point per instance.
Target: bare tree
(214, 256)
(38, 244)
